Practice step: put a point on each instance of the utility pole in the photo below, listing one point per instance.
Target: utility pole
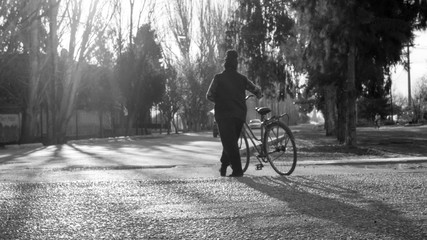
(409, 77)
(391, 102)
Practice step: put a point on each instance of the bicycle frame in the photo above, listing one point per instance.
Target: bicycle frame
(260, 145)
(253, 138)
(258, 142)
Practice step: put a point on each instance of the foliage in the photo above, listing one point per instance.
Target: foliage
(141, 77)
(278, 41)
(199, 55)
(379, 30)
(420, 100)
(194, 83)
(14, 77)
(15, 25)
(267, 40)
(96, 90)
(172, 99)
(368, 107)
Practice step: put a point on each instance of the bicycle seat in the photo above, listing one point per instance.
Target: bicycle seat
(263, 110)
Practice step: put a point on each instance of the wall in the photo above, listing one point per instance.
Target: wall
(9, 128)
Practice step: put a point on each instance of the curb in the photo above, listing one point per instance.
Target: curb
(22, 146)
(373, 161)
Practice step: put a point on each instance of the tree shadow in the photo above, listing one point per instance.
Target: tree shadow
(96, 156)
(341, 206)
(11, 156)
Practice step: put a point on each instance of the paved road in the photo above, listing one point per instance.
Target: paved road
(344, 206)
(182, 156)
(169, 188)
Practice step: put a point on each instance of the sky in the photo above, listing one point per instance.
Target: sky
(418, 57)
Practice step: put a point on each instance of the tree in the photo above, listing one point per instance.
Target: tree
(65, 83)
(198, 59)
(207, 63)
(23, 36)
(96, 92)
(398, 103)
(13, 22)
(14, 76)
(53, 73)
(181, 24)
(142, 79)
(331, 60)
(420, 100)
(264, 33)
(374, 92)
(357, 31)
(82, 28)
(172, 99)
(33, 99)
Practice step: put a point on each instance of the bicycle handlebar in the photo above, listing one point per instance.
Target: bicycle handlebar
(251, 95)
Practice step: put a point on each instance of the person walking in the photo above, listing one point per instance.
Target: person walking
(228, 91)
(377, 120)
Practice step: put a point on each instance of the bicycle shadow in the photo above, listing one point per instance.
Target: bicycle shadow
(344, 207)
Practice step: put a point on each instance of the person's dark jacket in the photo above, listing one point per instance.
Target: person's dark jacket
(228, 92)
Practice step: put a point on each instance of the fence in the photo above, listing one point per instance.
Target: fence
(9, 128)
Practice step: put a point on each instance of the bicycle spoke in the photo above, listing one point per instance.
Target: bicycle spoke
(280, 148)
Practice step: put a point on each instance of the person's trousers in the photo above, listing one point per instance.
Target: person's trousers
(229, 130)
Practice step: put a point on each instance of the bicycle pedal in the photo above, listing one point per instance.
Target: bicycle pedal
(259, 166)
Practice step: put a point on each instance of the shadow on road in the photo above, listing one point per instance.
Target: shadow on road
(10, 156)
(343, 207)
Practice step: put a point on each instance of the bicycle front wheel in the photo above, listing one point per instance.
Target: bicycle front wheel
(244, 151)
(279, 146)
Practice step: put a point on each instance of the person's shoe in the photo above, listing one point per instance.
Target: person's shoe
(223, 171)
(236, 175)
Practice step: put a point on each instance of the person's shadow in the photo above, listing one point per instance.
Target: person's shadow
(342, 206)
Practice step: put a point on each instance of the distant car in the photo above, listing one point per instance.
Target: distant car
(254, 123)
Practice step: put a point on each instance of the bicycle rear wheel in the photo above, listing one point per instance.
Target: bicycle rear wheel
(244, 151)
(279, 143)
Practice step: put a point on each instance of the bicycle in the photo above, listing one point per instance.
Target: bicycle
(277, 144)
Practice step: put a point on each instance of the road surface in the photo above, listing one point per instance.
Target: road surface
(169, 188)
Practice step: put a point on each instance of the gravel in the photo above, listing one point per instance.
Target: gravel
(346, 206)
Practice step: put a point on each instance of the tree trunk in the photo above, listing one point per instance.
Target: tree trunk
(342, 111)
(330, 110)
(176, 124)
(73, 71)
(66, 104)
(113, 122)
(101, 123)
(131, 5)
(168, 120)
(350, 137)
(30, 112)
(51, 97)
